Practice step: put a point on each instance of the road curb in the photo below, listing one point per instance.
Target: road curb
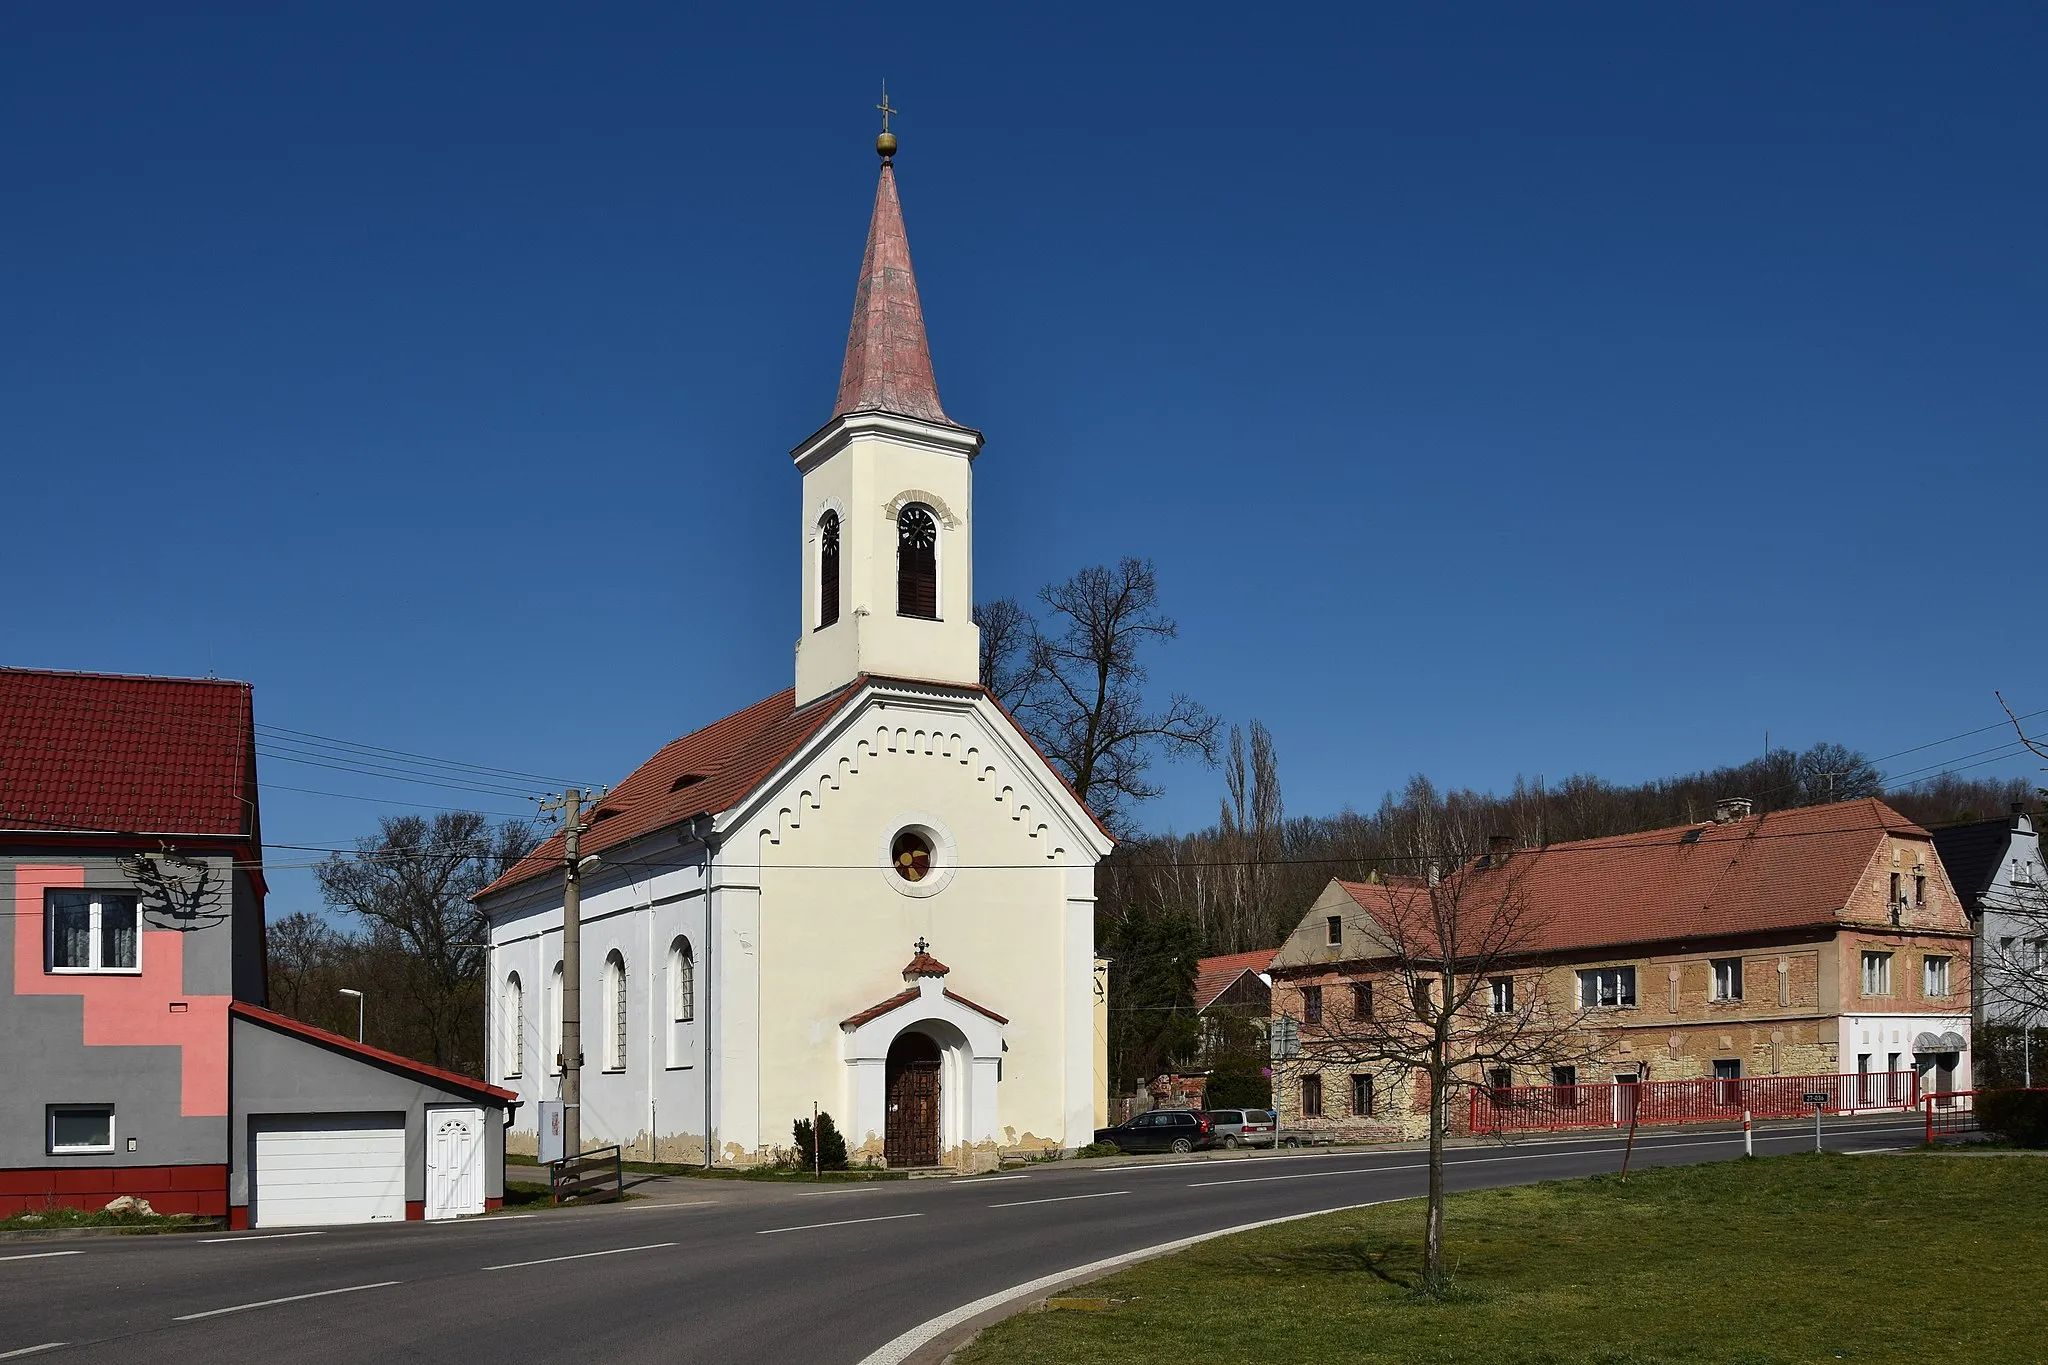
(935, 1339)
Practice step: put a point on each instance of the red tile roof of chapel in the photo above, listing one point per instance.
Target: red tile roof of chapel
(107, 752)
(924, 964)
(706, 772)
(1790, 869)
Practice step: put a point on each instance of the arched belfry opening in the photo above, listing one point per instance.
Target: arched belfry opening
(912, 1078)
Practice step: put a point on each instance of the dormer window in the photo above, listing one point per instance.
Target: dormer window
(917, 562)
(828, 569)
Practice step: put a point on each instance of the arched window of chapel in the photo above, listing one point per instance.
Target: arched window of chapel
(917, 562)
(828, 569)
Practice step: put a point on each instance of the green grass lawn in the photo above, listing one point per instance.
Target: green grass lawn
(46, 1220)
(1913, 1258)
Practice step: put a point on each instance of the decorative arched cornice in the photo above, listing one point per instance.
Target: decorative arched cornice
(932, 500)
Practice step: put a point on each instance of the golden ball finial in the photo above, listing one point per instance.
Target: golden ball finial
(885, 145)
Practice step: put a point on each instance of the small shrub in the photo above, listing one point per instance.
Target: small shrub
(2018, 1116)
(1101, 1149)
(831, 1154)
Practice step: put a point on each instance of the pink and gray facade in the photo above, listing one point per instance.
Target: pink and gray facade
(139, 1051)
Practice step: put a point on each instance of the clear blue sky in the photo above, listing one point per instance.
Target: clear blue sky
(1517, 389)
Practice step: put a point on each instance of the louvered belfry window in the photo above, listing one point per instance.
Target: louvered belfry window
(917, 562)
(828, 569)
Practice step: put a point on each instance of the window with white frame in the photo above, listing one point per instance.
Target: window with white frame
(1727, 1070)
(1937, 978)
(1607, 988)
(615, 1010)
(91, 931)
(1502, 989)
(1877, 973)
(1727, 978)
(81, 1128)
(554, 1039)
(512, 1037)
(682, 999)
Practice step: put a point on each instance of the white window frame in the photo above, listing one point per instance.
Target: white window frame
(1727, 978)
(1932, 967)
(553, 1041)
(1877, 972)
(615, 1011)
(682, 999)
(95, 910)
(1501, 989)
(1598, 982)
(512, 1064)
(50, 1113)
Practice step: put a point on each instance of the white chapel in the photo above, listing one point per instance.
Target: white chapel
(867, 891)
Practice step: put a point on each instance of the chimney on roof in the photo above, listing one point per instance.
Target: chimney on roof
(1729, 809)
(1498, 847)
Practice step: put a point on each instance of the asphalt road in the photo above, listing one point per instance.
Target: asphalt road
(722, 1271)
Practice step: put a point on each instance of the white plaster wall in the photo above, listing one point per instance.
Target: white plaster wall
(861, 479)
(1014, 922)
(1881, 1035)
(637, 903)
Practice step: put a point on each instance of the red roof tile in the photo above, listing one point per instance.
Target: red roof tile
(112, 752)
(704, 773)
(888, 361)
(904, 997)
(924, 964)
(452, 1080)
(1791, 869)
(1215, 975)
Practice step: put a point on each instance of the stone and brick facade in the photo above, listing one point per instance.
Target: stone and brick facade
(1824, 940)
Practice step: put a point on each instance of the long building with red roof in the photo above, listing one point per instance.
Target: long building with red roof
(1814, 941)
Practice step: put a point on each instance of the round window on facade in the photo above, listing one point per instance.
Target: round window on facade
(911, 853)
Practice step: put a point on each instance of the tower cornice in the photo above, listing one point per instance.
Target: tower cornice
(828, 440)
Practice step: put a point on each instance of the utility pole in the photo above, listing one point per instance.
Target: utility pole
(571, 806)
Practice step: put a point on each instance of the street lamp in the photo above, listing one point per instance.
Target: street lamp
(359, 1011)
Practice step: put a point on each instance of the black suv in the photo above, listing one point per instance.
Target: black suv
(1160, 1130)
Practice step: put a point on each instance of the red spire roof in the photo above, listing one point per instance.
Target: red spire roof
(888, 363)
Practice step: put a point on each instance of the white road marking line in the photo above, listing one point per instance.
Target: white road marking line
(1060, 1199)
(294, 1298)
(899, 1350)
(858, 1189)
(40, 1255)
(990, 1179)
(647, 1208)
(582, 1256)
(259, 1237)
(849, 1222)
(1872, 1151)
(30, 1350)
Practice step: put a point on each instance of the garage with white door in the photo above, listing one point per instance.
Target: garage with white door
(310, 1170)
(327, 1131)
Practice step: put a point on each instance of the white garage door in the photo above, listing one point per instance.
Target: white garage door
(308, 1170)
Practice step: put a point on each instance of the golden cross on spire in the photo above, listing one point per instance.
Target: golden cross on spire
(884, 106)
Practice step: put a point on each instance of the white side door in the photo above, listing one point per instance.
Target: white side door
(455, 1161)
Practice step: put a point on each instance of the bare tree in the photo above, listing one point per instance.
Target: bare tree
(411, 883)
(1087, 707)
(1250, 832)
(301, 950)
(1007, 632)
(1453, 992)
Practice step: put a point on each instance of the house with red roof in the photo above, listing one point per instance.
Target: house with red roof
(867, 891)
(1824, 940)
(142, 1060)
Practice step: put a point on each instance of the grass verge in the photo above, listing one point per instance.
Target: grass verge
(1780, 1261)
(59, 1217)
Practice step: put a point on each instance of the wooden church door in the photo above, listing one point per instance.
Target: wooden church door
(912, 1072)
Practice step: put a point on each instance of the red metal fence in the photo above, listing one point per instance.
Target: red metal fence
(1950, 1112)
(1550, 1108)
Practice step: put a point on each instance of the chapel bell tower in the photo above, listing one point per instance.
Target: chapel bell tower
(888, 531)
